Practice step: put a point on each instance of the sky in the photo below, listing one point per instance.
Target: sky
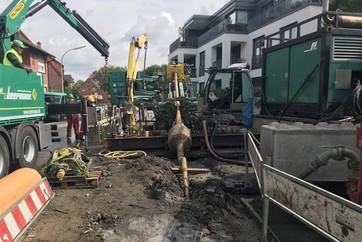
(117, 21)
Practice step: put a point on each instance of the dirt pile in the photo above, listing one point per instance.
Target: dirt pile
(142, 200)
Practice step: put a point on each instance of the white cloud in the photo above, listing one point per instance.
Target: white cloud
(168, 16)
(116, 21)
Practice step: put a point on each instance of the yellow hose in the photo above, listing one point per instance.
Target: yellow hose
(124, 154)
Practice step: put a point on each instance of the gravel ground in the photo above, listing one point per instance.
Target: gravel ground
(141, 199)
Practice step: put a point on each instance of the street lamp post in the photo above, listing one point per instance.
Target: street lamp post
(61, 64)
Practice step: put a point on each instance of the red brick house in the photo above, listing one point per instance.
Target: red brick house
(44, 63)
(54, 75)
(68, 80)
(41, 62)
(92, 86)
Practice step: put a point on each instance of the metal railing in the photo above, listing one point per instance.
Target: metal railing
(328, 214)
(273, 13)
(277, 11)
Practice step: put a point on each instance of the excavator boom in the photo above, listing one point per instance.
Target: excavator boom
(133, 61)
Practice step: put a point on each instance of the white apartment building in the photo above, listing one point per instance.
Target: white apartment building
(236, 32)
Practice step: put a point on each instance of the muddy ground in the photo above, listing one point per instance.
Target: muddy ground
(141, 199)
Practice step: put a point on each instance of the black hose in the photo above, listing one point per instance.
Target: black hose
(213, 153)
(212, 140)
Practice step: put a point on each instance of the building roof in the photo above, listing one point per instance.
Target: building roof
(27, 42)
(197, 22)
(68, 78)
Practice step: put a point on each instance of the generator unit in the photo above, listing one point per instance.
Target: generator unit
(313, 69)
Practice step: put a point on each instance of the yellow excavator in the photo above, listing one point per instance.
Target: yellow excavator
(132, 69)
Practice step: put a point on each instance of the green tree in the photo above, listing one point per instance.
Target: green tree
(105, 71)
(354, 6)
(76, 87)
(73, 90)
(155, 70)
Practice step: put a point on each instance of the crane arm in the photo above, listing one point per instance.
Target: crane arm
(16, 13)
(10, 20)
(79, 24)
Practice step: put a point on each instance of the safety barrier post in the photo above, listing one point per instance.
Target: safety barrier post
(23, 195)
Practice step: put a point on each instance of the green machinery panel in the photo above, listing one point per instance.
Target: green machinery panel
(117, 86)
(304, 62)
(276, 76)
(287, 70)
(345, 56)
(21, 96)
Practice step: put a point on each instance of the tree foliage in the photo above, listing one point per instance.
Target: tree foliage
(149, 71)
(154, 70)
(105, 71)
(74, 90)
(354, 6)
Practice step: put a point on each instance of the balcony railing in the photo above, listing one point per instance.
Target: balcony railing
(188, 43)
(237, 60)
(278, 10)
(221, 28)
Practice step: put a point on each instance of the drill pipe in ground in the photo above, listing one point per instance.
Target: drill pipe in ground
(179, 140)
(184, 176)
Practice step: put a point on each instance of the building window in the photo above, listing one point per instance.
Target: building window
(238, 17)
(241, 17)
(235, 55)
(41, 66)
(258, 45)
(202, 64)
(288, 32)
(201, 91)
(237, 21)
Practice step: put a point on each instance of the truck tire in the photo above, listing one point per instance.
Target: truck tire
(27, 145)
(4, 157)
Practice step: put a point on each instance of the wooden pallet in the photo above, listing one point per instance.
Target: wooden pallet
(91, 180)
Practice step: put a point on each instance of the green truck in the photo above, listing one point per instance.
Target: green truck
(22, 107)
(22, 100)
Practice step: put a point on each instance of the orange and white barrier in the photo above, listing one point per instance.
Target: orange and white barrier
(23, 195)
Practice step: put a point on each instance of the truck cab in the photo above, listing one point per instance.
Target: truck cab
(228, 90)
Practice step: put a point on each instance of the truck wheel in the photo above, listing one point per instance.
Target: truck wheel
(4, 157)
(27, 145)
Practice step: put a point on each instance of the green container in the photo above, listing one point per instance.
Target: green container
(312, 76)
(286, 70)
(117, 86)
(115, 77)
